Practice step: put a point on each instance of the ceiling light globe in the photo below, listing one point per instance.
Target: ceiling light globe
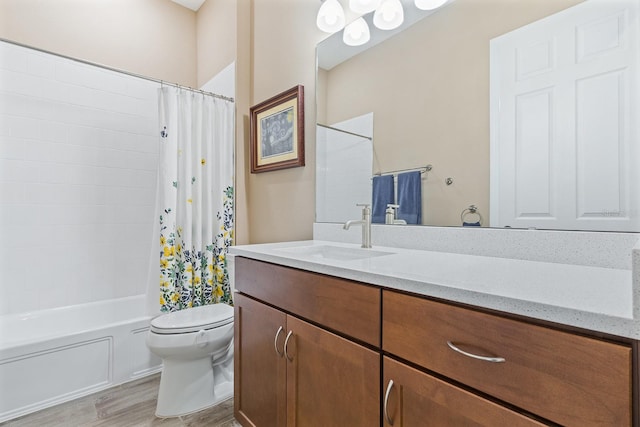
(330, 16)
(429, 4)
(389, 15)
(357, 33)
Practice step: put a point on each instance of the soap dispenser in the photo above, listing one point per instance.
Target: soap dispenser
(390, 214)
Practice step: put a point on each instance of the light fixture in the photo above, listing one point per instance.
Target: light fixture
(330, 16)
(363, 6)
(429, 4)
(356, 33)
(389, 15)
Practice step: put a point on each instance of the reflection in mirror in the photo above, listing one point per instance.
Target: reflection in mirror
(428, 88)
(344, 154)
(563, 109)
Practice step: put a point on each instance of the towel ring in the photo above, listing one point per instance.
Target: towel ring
(471, 210)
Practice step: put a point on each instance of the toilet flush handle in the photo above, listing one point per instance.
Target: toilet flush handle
(201, 338)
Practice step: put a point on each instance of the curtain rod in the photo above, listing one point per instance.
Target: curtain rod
(422, 169)
(116, 70)
(344, 131)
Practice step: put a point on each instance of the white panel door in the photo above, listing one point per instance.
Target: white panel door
(564, 120)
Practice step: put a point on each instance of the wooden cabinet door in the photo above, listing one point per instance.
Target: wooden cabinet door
(417, 399)
(260, 371)
(331, 381)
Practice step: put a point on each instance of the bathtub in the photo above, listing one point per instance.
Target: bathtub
(52, 356)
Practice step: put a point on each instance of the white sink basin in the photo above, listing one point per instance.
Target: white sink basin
(334, 252)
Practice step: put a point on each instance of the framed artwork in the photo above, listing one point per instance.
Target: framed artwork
(277, 132)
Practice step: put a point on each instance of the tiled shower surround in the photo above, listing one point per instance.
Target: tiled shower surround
(78, 159)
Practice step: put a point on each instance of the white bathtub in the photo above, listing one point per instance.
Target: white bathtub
(52, 356)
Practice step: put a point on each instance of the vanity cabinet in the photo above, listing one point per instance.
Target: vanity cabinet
(559, 376)
(311, 361)
(317, 350)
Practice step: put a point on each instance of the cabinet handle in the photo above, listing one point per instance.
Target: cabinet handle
(475, 356)
(286, 343)
(386, 403)
(275, 342)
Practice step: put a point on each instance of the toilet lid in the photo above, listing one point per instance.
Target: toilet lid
(193, 319)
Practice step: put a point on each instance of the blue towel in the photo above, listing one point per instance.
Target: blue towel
(382, 196)
(410, 197)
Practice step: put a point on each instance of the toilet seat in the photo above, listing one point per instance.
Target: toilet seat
(193, 319)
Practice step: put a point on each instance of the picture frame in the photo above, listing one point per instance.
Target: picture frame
(277, 132)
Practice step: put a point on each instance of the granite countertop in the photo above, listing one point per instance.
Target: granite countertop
(594, 298)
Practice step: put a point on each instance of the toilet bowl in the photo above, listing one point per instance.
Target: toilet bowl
(196, 347)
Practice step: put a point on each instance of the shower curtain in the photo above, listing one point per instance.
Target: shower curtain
(195, 191)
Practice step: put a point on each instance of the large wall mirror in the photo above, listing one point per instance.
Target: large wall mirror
(427, 89)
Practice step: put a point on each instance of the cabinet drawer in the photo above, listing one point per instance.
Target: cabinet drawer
(566, 378)
(416, 399)
(341, 305)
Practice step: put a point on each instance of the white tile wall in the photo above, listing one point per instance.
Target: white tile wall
(78, 159)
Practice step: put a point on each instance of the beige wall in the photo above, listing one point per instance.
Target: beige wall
(155, 38)
(282, 203)
(244, 88)
(216, 31)
(429, 90)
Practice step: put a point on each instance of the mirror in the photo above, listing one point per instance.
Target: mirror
(428, 90)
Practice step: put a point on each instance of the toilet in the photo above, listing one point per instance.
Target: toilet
(196, 347)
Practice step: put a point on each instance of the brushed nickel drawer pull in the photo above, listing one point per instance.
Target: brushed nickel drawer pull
(386, 403)
(286, 343)
(475, 356)
(275, 342)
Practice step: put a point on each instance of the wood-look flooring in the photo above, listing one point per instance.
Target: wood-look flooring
(128, 405)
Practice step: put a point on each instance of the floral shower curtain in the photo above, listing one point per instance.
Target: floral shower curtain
(196, 198)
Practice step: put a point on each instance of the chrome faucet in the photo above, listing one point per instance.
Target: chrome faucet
(365, 222)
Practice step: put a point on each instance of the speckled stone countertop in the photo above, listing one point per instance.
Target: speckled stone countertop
(594, 298)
